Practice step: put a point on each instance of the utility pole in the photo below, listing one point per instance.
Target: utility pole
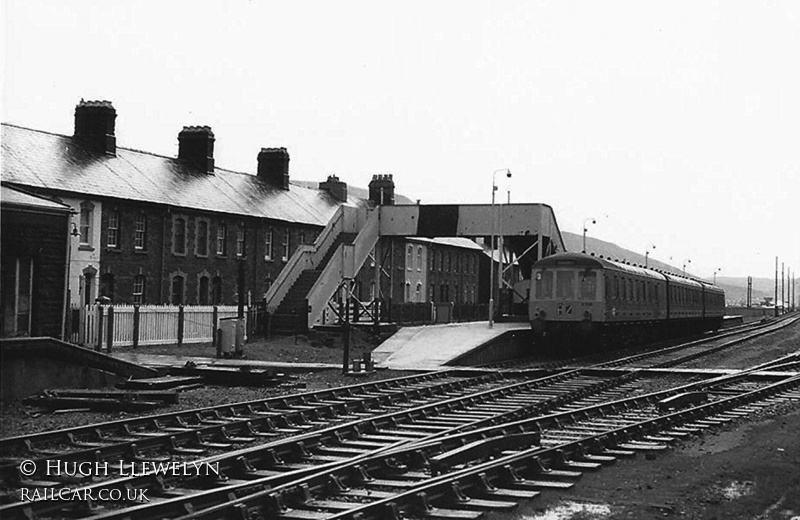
(776, 286)
(749, 291)
(782, 300)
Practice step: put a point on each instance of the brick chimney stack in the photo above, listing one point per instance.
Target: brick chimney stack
(94, 126)
(196, 146)
(335, 187)
(273, 167)
(381, 190)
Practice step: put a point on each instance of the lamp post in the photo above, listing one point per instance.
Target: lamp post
(585, 229)
(687, 261)
(718, 269)
(491, 245)
(647, 253)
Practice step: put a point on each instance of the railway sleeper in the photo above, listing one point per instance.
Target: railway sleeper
(485, 488)
(209, 444)
(86, 444)
(422, 507)
(177, 449)
(456, 495)
(139, 456)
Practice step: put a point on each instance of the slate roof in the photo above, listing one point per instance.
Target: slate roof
(13, 197)
(37, 159)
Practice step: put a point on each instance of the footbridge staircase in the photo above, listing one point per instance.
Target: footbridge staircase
(315, 272)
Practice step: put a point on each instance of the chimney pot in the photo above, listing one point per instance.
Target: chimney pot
(94, 125)
(273, 167)
(335, 187)
(196, 146)
(381, 190)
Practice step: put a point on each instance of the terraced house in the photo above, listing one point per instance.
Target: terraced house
(155, 229)
(150, 229)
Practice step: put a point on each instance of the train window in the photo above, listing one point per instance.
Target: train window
(544, 285)
(656, 293)
(616, 287)
(565, 284)
(630, 290)
(588, 285)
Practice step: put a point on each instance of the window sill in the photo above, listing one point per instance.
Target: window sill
(85, 247)
(178, 254)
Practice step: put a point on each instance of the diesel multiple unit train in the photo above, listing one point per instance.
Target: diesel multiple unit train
(580, 302)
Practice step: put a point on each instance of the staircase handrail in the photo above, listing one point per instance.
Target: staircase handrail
(298, 262)
(328, 235)
(332, 273)
(305, 257)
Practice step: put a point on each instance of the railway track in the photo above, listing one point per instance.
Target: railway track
(491, 468)
(350, 424)
(631, 354)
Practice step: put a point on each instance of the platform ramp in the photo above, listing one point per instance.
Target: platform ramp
(432, 347)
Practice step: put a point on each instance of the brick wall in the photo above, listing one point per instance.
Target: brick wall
(158, 261)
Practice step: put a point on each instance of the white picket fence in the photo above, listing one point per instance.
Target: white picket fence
(158, 324)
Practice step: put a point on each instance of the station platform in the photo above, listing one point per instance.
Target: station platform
(431, 347)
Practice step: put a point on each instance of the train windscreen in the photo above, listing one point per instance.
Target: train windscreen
(588, 285)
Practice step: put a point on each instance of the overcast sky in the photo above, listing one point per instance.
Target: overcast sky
(671, 123)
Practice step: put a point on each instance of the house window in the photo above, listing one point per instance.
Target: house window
(179, 236)
(419, 258)
(107, 286)
(201, 248)
(139, 232)
(177, 290)
(87, 214)
(285, 255)
(432, 259)
(408, 291)
(409, 259)
(445, 292)
(301, 240)
(113, 229)
(458, 261)
(216, 290)
(202, 291)
(419, 292)
(240, 241)
(268, 245)
(138, 289)
(222, 239)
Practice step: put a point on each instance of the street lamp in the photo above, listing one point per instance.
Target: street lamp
(491, 245)
(585, 221)
(718, 269)
(687, 261)
(647, 253)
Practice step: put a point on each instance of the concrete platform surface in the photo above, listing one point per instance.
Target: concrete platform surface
(164, 360)
(430, 347)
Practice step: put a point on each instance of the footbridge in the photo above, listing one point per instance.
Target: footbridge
(315, 272)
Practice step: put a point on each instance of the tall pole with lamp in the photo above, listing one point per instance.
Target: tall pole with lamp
(647, 253)
(491, 245)
(585, 229)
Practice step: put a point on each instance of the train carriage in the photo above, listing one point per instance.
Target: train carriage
(582, 302)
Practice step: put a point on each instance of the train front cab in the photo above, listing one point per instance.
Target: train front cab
(565, 305)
